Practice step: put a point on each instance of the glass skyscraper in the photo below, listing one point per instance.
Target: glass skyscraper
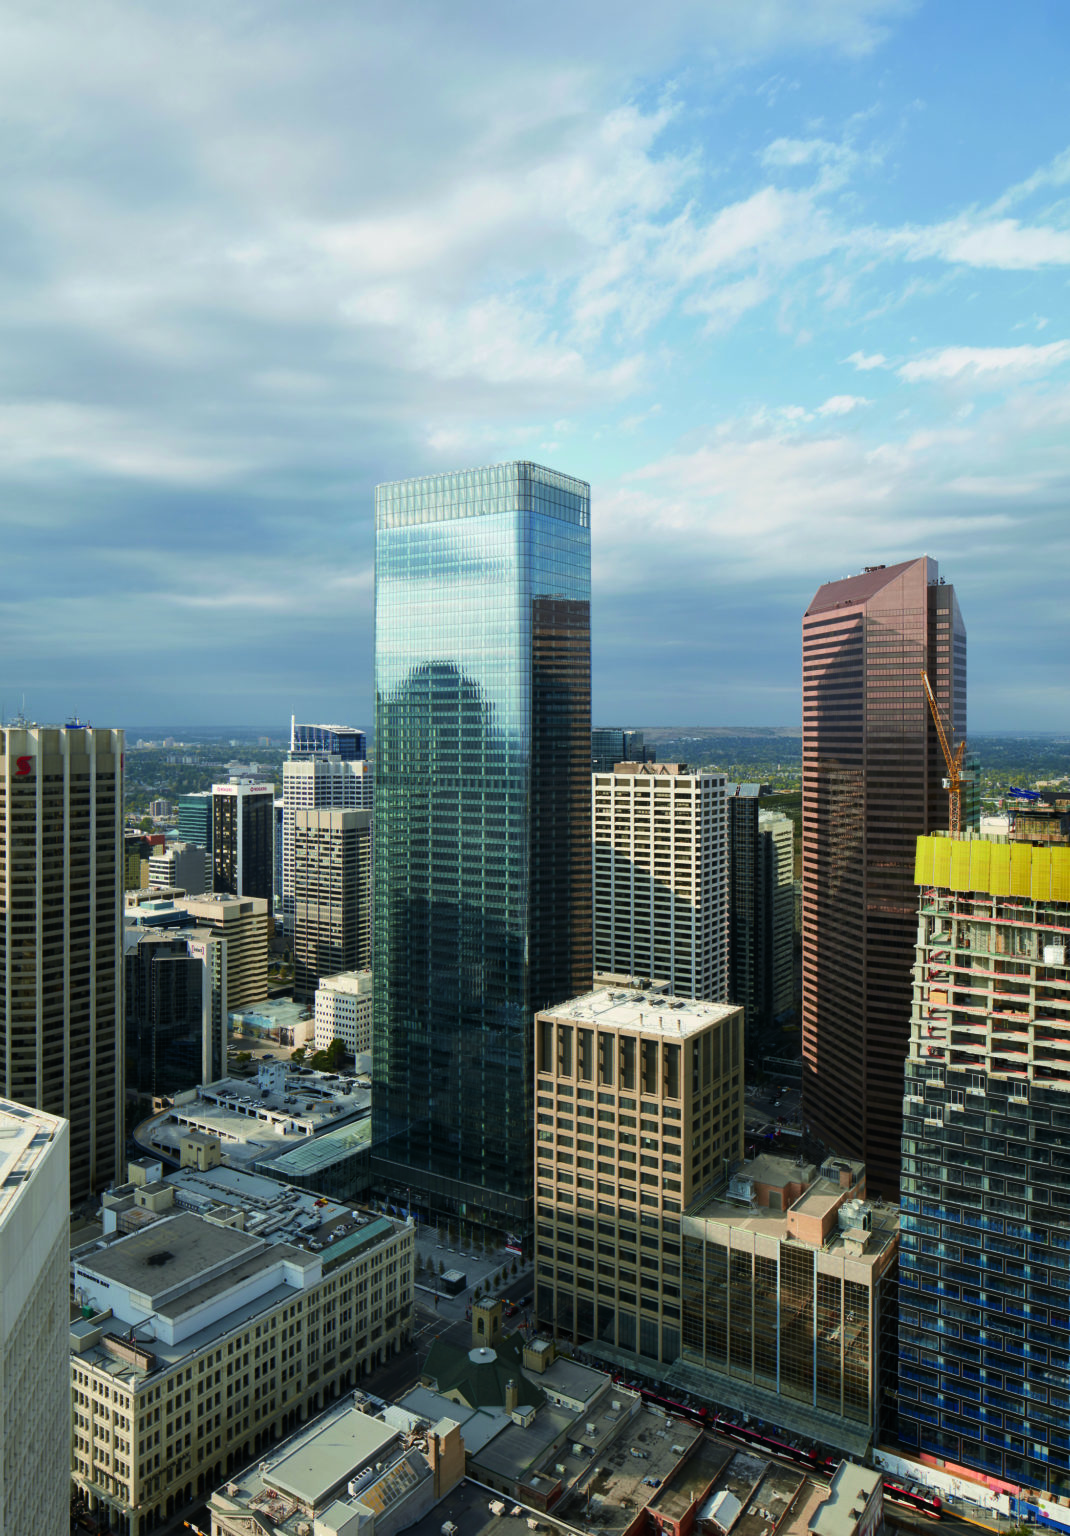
(482, 846)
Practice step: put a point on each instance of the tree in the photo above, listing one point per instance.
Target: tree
(514, 1270)
(146, 824)
(336, 1053)
(298, 1055)
(441, 1267)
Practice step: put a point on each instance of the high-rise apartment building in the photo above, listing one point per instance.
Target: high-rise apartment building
(61, 1017)
(35, 1418)
(984, 1328)
(332, 895)
(872, 781)
(482, 847)
(761, 900)
(195, 819)
(660, 861)
(243, 831)
(639, 1109)
(316, 779)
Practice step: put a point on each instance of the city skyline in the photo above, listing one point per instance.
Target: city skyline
(782, 283)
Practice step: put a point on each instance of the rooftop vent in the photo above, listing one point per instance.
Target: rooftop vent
(163, 1257)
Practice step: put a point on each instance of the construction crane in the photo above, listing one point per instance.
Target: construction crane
(955, 775)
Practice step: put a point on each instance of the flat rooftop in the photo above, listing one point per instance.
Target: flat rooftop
(264, 1017)
(316, 1153)
(716, 1210)
(307, 1478)
(630, 1471)
(273, 1209)
(701, 1469)
(254, 1121)
(353, 983)
(25, 1136)
(777, 1172)
(816, 1201)
(468, 1507)
(852, 1487)
(321, 1459)
(171, 1254)
(579, 1383)
(653, 1013)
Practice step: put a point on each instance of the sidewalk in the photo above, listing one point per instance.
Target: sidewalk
(478, 1268)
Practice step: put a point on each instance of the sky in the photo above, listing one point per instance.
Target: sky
(787, 283)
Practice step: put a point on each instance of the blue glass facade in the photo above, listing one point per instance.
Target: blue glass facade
(343, 741)
(482, 851)
(195, 820)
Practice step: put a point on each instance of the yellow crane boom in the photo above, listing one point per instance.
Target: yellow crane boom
(953, 782)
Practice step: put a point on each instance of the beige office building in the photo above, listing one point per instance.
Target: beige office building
(34, 1386)
(332, 892)
(61, 877)
(639, 1108)
(309, 783)
(211, 1322)
(660, 866)
(243, 922)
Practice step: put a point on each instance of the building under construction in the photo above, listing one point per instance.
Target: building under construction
(984, 1339)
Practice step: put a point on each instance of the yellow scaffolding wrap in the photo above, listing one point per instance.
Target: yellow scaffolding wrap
(995, 869)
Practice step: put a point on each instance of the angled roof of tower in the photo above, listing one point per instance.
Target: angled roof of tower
(856, 589)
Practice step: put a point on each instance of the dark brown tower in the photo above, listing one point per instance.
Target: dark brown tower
(872, 782)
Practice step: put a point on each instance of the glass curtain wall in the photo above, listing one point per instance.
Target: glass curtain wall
(482, 850)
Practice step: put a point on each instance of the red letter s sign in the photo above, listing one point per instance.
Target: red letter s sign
(22, 766)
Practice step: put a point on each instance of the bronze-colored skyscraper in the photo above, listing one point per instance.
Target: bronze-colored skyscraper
(872, 782)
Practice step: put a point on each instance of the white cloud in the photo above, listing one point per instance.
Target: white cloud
(792, 152)
(865, 361)
(998, 363)
(840, 405)
(777, 496)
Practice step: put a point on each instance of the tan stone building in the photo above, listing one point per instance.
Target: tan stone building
(243, 922)
(197, 1343)
(639, 1108)
(332, 894)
